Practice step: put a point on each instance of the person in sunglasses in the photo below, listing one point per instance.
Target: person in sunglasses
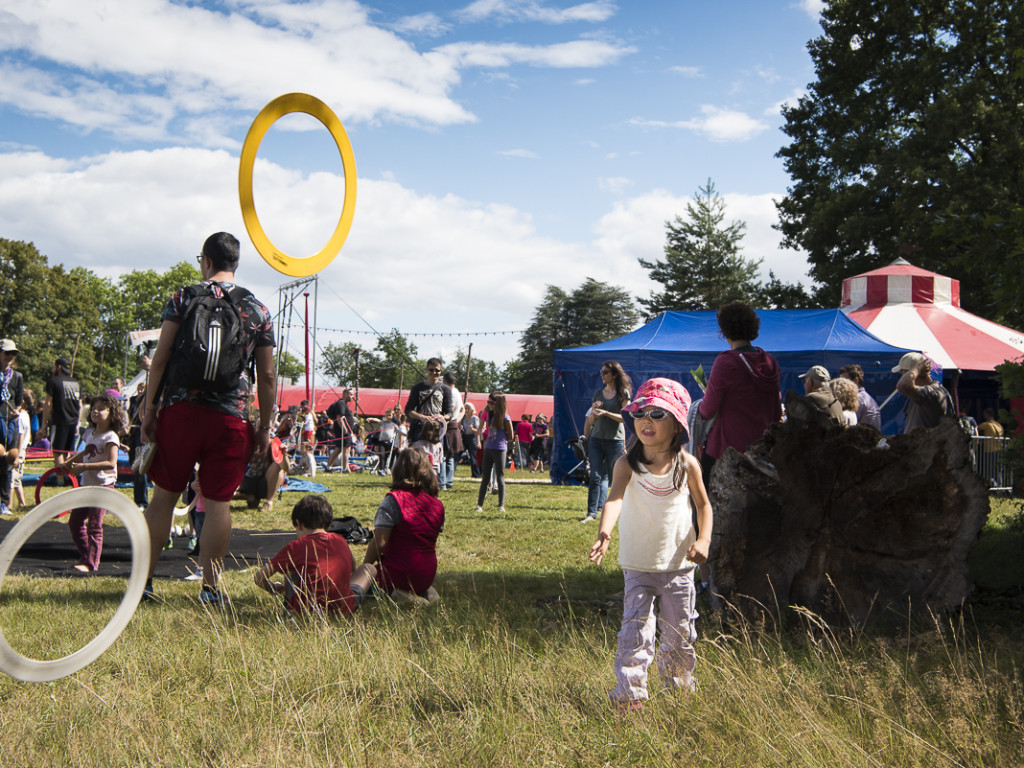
(429, 400)
(659, 547)
(605, 433)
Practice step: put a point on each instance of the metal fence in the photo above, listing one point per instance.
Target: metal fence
(991, 461)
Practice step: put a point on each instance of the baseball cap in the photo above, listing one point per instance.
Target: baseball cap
(6, 345)
(818, 372)
(909, 362)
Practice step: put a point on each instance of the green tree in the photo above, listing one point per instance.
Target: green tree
(912, 138)
(290, 367)
(338, 362)
(484, 375)
(398, 363)
(593, 313)
(776, 294)
(135, 302)
(703, 267)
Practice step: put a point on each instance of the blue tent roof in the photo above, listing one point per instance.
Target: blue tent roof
(675, 343)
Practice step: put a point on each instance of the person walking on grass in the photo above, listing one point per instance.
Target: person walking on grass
(652, 486)
(97, 465)
(500, 437)
(201, 419)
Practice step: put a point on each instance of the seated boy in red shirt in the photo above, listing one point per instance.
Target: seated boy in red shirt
(317, 566)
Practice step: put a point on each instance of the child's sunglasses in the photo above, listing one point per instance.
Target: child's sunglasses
(654, 414)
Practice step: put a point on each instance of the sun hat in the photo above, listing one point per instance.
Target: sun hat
(662, 393)
(909, 362)
(818, 372)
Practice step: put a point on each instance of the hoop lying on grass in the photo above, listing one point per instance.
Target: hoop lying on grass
(32, 670)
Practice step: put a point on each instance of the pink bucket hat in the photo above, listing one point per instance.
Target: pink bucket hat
(662, 393)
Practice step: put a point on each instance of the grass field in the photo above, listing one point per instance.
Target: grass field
(512, 668)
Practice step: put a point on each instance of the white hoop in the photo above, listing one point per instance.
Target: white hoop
(119, 505)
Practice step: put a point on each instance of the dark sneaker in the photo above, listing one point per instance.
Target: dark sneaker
(210, 596)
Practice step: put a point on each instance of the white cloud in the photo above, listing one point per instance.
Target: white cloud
(159, 70)
(687, 71)
(528, 10)
(715, 124)
(790, 101)
(428, 24)
(635, 229)
(576, 53)
(518, 153)
(812, 8)
(614, 184)
(406, 252)
(584, 81)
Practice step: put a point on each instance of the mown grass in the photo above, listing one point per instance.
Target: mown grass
(511, 669)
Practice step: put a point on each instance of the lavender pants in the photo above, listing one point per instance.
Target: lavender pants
(86, 524)
(675, 615)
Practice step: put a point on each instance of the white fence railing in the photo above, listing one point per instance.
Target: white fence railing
(991, 461)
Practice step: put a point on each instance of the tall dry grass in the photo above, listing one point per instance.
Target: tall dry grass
(511, 669)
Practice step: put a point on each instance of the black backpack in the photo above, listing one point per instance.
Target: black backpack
(209, 350)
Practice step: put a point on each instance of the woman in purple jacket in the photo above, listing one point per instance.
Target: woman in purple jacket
(743, 389)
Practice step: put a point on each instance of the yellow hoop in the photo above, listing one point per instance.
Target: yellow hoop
(283, 105)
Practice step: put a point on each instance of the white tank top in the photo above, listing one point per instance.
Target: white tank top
(656, 524)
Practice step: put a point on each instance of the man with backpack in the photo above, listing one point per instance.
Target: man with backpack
(215, 338)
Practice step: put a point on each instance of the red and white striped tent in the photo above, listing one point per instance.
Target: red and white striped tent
(913, 308)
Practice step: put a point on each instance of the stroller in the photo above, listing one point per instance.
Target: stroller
(581, 472)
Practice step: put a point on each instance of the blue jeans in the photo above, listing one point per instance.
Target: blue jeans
(447, 471)
(603, 454)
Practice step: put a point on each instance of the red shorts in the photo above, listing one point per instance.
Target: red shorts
(187, 433)
(307, 438)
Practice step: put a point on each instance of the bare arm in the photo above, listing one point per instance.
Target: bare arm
(698, 551)
(377, 545)
(109, 462)
(908, 383)
(266, 384)
(262, 579)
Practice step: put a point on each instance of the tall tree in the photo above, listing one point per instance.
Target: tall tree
(703, 267)
(912, 139)
(592, 313)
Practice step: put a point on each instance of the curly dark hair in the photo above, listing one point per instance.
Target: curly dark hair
(738, 321)
(118, 418)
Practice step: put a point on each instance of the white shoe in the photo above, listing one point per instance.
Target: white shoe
(479, 509)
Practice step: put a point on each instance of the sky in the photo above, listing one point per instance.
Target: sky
(501, 146)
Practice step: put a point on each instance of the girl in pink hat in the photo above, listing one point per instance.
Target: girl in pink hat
(658, 546)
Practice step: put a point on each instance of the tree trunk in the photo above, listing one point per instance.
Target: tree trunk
(830, 520)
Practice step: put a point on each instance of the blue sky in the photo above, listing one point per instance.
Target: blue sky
(501, 145)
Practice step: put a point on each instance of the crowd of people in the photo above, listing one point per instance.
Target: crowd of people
(199, 434)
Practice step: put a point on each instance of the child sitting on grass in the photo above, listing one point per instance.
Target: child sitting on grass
(405, 531)
(318, 566)
(652, 486)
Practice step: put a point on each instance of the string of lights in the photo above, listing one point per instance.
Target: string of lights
(435, 334)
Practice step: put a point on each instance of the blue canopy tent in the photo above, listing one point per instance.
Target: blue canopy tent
(675, 343)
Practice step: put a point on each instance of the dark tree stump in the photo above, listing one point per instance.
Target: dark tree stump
(825, 519)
